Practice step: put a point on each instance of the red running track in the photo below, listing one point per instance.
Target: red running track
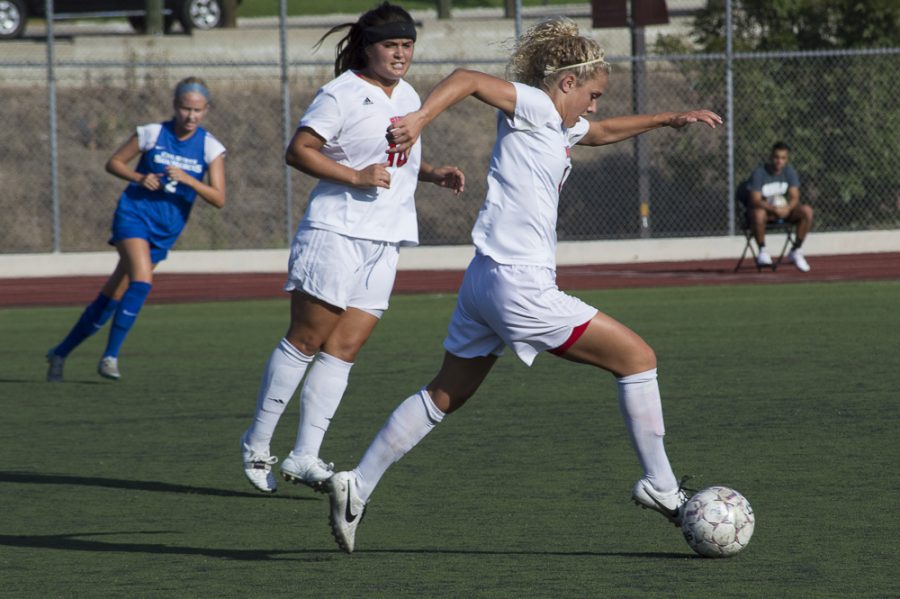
(168, 288)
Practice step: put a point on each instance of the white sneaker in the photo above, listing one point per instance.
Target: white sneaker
(108, 368)
(54, 367)
(347, 509)
(668, 504)
(796, 256)
(307, 469)
(763, 258)
(258, 467)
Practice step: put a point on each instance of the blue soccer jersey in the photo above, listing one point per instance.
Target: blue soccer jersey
(160, 216)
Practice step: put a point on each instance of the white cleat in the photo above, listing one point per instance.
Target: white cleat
(307, 469)
(347, 509)
(669, 504)
(258, 467)
(55, 366)
(797, 258)
(763, 258)
(108, 368)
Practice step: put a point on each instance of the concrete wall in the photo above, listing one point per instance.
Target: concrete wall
(452, 257)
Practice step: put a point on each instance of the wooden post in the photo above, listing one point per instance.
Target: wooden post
(154, 20)
(229, 13)
(443, 9)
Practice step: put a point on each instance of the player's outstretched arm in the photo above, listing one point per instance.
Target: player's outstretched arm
(616, 129)
(461, 83)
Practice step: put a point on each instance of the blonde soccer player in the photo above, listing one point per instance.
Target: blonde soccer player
(509, 296)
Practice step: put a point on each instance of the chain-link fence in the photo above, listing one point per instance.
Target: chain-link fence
(838, 111)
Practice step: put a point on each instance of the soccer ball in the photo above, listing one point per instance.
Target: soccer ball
(717, 522)
(779, 201)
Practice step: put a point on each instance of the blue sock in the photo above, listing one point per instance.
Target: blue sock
(92, 320)
(126, 314)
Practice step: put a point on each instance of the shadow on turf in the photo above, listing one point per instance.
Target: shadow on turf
(70, 543)
(647, 554)
(134, 485)
(43, 382)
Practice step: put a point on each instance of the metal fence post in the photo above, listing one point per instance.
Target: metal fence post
(54, 145)
(285, 119)
(518, 17)
(639, 106)
(729, 116)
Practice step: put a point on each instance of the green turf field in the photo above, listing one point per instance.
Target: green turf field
(134, 489)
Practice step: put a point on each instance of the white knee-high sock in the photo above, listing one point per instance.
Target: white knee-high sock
(410, 422)
(282, 376)
(319, 400)
(641, 407)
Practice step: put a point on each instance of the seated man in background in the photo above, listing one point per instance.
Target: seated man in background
(771, 193)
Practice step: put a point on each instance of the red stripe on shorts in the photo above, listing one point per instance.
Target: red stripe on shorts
(577, 332)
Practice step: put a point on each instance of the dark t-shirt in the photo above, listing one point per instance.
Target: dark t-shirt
(768, 184)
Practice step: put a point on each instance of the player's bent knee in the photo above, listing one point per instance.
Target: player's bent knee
(345, 344)
(643, 358)
(343, 351)
(305, 344)
(448, 401)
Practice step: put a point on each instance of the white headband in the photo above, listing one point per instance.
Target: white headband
(551, 70)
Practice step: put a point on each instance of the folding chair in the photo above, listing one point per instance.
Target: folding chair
(787, 228)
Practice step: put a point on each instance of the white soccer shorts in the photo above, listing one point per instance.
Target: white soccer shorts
(512, 305)
(343, 271)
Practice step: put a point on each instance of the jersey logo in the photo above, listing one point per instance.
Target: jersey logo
(367, 102)
(349, 516)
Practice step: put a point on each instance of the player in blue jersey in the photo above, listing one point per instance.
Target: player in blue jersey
(175, 158)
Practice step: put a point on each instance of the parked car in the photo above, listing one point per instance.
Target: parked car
(191, 14)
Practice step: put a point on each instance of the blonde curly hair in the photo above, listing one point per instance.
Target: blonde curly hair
(551, 49)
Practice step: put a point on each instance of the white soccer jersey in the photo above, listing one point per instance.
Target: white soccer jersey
(530, 163)
(352, 116)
